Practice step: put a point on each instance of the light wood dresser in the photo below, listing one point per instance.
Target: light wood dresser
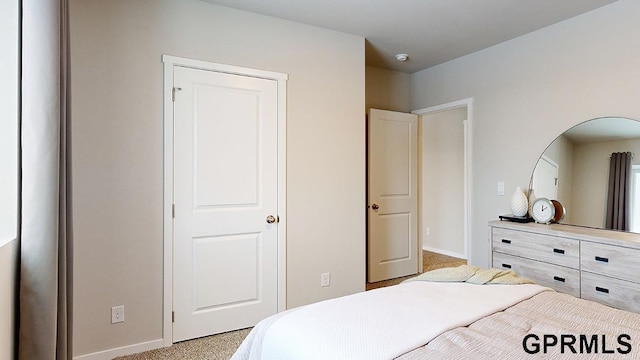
(594, 264)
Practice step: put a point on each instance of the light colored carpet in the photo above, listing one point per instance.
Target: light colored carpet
(215, 347)
(222, 346)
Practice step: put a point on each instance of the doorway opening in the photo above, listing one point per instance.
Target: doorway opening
(445, 178)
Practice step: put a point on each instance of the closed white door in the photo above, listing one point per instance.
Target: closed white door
(225, 194)
(392, 195)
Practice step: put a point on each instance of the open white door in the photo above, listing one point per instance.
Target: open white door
(225, 245)
(545, 179)
(392, 195)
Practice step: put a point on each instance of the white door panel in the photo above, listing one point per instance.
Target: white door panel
(226, 148)
(225, 186)
(211, 256)
(395, 226)
(392, 195)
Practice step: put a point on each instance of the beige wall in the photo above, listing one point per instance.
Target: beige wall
(442, 181)
(8, 276)
(529, 90)
(387, 90)
(117, 160)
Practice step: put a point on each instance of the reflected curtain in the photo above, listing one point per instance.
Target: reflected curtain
(618, 202)
(45, 224)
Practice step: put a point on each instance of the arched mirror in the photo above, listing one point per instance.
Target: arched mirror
(576, 168)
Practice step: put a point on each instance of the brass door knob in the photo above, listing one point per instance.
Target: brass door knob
(271, 219)
(375, 207)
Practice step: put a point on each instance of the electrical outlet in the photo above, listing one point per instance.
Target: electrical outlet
(501, 188)
(427, 231)
(117, 314)
(325, 279)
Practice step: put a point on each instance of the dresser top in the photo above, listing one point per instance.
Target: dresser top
(619, 238)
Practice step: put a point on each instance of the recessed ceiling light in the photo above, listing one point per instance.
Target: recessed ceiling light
(402, 57)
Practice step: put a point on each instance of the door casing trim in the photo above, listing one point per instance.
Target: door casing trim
(167, 215)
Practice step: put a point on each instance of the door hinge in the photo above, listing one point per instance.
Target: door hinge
(173, 211)
(173, 93)
(173, 316)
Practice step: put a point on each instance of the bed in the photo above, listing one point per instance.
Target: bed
(447, 319)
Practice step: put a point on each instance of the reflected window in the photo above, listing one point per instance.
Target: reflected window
(635, 198)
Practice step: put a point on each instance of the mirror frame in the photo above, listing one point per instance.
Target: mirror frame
(596, 138)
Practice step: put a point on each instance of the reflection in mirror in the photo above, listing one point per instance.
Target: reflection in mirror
(575, 170)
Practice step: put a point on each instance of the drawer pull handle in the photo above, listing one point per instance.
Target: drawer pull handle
(558, 278)
(558, 251)
(602, 290)
(506, 266)
(603, 259)
(506, 241)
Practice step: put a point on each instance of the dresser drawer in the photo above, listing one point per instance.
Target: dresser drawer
(610, 260)
(550, 249)
(559, 278)
(616, 293)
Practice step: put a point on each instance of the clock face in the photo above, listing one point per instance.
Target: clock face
(543, 211)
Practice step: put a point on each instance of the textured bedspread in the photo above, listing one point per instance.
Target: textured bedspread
(473, 275)
(599, 332)
(379, 324)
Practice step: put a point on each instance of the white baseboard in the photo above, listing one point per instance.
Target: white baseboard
(444, 252)
(122, 351)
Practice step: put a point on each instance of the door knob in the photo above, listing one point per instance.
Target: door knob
(375, 207)
(271, 219)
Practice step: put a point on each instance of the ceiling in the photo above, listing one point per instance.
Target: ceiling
(429, 31)
(604, 129)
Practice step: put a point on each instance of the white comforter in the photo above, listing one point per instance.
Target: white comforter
(379, 324)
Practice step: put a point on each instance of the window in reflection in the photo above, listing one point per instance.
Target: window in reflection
(635, 199)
